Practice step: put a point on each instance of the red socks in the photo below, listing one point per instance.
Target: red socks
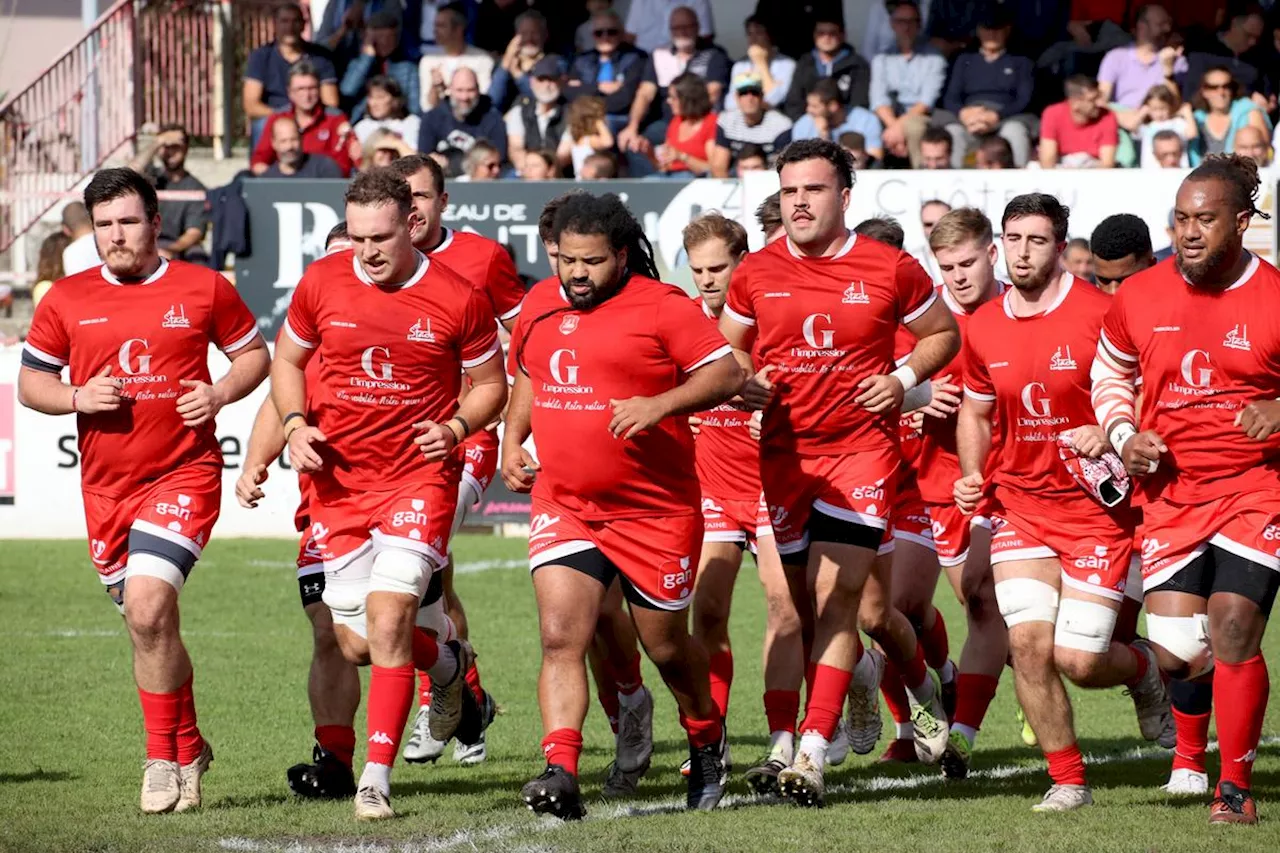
(473, 681)
(781, 707)
(189, 740)
(701, 732)
(826, 700)
(1143, 665)
(563, 747)
(161, 715)
(894, 693)
(934, 642)
(973, 695)
(390, 697)
(721, 679)
(628, 679)
(1240, 692)
(338, 740)
(424, 688)
(426, 651)
(1066, 766)
(1193, 740)
(607, 693)
(914, 671)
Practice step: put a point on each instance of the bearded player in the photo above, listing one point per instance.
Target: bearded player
(135, 333)
(1059, 555)
(1203, 334)
(395, 333)
(608, 363)
(819, 311)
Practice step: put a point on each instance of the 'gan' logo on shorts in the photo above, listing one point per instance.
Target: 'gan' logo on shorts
(679, 580)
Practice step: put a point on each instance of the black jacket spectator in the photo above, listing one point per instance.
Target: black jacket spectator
(851, 72)
(441, 130)
(1004, 85)
(534, 136)
(628, 66)
(790, 23)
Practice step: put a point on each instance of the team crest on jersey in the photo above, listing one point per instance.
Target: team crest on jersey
(176, 319)
(422, 334)
(1062, 360)
(856, 294)
(1238, 339)
(568, 324)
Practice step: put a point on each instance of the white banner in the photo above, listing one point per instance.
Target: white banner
(44, 478)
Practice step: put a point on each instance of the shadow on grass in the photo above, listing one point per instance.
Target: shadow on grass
(37, 776)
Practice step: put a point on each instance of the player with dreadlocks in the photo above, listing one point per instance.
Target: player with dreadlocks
(608, 362)
(1202, 333)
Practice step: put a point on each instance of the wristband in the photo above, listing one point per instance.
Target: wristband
(1119, 434)
(466, 427)
(906, 376)
(291, 416)
(453, 432)
(75, 392)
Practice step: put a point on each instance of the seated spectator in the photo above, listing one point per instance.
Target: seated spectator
(600, 167)
(584, 37)
(1078, 260)
(906, 83)
(586, 132)
(830, 57)
(935, 149)
(1220, 111)
(791, 24)
(1128, 73)
(451, 52)
(1168, 151)
(750, 124)
(827, 116)
(691, 133)
(382, 148)
(481, 163)
(470, 10)
(751, 158)
(182, 223)
(989, 92)
(81, 252)
(512, 79)
(612, 70)
(763, 59)
(49, 265)
(387, 108)
(1228, 51)
(498, 22)
(952, 24)
(539, 165)
(290, 159)
(648, 21)
(464, 117)
(1252, 142)
(538, 120)
(856, 144)
(878, 37)
(1078, 132)
(1162, 112)
(343, 23)
(380, 56)
(322, 132)
(994, 152)
(684, 55)
(266, 72)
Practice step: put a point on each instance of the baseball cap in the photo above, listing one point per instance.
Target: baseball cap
(747, 80)
(548, 66)
(996, 18)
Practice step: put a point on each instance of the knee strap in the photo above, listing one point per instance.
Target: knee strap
(1184, 637)
(1026, 600)
(1085, 626)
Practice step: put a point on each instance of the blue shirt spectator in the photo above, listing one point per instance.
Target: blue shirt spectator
(827, 117)
(381, 55)
(1003, 83)
(266, 75)
(463, 118)
(612, 70)
(340, 31)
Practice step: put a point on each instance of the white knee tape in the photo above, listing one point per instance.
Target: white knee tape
(1133, 582)
(1085, 626)
(433, 618)
(1184, 637)
(148, 565)
(400, 571)
(345, 599)
(1026, 600)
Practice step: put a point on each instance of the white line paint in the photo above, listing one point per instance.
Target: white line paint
(488, 565)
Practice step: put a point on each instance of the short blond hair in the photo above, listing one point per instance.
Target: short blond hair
(960, 226)
(709, 226)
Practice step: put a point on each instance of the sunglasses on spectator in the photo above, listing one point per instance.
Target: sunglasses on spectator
(758, 93)
(606, 32)
(1215, 87)
(911, 20)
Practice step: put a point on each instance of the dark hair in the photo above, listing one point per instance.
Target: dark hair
(895, 5)
(337, 232)
(997, 148)
(532, 15)
(1239, 173)
(49, 266)
(819, 149)
(1038, 204)
(377, 187)
(111, 184)
(1078, 243)
(296, 7)
(76, 215)
(1162, 135)
(750, 149)
(547, 219)
(828, 90)
(853, 139)
(769, 213)
(399, 108)
(1119, 236)
(826, 17)
(607, 214)
(1077, 84)
(883, 228)
(411, 164)
(691, 92)
(937, 134)
(1198, 100)
(170, 127)
(452, 10)
(383, 19)
(545, 155)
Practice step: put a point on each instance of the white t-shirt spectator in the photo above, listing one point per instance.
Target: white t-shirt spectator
(473, 57)
(1147, 158)
(405, 128)
(80, 255)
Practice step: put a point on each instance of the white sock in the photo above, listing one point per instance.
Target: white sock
(784, 741)
(864, 672)
(445, 669)
(633, 699)
(376, 776)
(905, 731)
(815, 746)
(923, 692)
(948, 673)
(969, 732)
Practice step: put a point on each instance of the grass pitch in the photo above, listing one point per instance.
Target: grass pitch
(71, 740)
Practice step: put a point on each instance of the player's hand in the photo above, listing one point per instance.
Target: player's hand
(754, 424)
(436, 440)
(200, 404)
(635, 415)
(1089, 441)
(1141, 453)
(99, 394)
(519, 470)
(758, 390)
(248, 492)
(304, 456)
(1260, 419)
(695, 424)
(968, 493)
(880, 394)
(945, 401)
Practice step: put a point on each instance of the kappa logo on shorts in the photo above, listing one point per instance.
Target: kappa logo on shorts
(176, 319)
(540, 526)
(318, 532)
(568, 324)
(421, 335)
(709, 507)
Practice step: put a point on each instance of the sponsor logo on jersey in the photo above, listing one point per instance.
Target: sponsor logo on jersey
(93, 321)
(375, 361)
(778, 294)
(1062, 360)
(820, 335)
(568, 324)
(342, 324)
(1197, 373)
(855, 294)
(1158, 329)
(1238, 339)
(540, 526)
(176, 319)
(135, 362)
(420, 334)
(564, 372)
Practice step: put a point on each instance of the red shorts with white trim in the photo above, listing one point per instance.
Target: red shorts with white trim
(950, 529)
(657, 558)
(176, 513)
(480, 450)
(1246, 524)
(1094, 557)
(857, 489)
(416, 517)
(910, 516)
(727, 520)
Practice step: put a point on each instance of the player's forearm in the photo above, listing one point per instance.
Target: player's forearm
(266, 439)
(186, 240)
(918, 397)
(708, 386)
(1114, 392)
(973, 439)
(288, 387)
(145, 156)
(248, 369)
(483, 404)
(933, 352)
(44, 392)
(640, 107)
(519, 411)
